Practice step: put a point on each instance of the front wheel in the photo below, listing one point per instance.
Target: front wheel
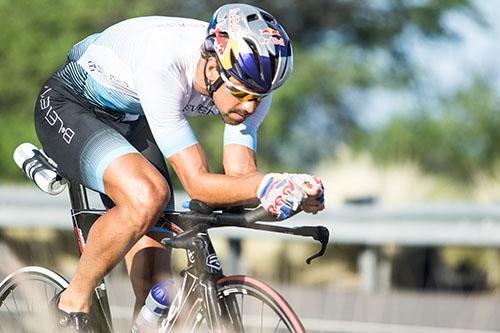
(24, 299)
(249, 305)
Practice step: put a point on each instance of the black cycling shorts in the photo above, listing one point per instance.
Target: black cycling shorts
(83, 140)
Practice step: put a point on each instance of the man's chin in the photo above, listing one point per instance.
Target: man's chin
(233, 119)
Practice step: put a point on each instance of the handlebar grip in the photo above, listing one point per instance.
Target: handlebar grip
(180, 243)
(199, 207)
(262, 215)
(259, 214)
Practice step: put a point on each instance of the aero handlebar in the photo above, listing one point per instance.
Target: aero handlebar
(202, 217)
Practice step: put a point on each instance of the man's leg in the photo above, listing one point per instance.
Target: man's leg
(148, 262)
(140, 193)
(93, 150)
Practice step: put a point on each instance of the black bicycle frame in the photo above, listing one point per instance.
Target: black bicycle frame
(83, 219)
(198, 286)
(204, 268)
(199, 281)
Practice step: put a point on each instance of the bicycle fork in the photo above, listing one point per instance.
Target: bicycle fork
(199, 289)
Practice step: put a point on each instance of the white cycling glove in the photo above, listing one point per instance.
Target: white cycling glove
(280, 195)
(311, 182)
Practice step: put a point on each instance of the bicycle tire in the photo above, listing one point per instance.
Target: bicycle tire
(240, 287)
(24, 298)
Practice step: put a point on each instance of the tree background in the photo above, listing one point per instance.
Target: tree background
(355, 61)
(344, 51)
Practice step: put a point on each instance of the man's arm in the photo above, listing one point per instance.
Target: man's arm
(239, 160)
(238, 185)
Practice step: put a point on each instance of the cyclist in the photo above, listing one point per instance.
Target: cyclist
(117, 108)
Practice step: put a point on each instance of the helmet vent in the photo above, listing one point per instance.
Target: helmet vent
(255, 53)
(252, 17)
(274, 63)
(268, 18)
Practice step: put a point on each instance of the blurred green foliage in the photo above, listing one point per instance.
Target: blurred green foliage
(457, 137)
(342, 48)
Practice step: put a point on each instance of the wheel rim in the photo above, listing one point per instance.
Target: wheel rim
(258, 312)
(24, 300)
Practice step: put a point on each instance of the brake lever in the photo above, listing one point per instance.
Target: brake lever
(322, 235)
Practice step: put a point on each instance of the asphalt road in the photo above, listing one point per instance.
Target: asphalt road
(340, 311)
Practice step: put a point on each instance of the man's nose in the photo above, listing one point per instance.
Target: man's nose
(250, 106)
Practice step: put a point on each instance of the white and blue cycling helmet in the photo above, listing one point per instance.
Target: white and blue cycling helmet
(251, 46)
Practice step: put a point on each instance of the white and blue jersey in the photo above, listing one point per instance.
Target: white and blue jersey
(146, 66)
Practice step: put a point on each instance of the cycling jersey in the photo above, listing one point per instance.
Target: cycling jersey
(147, 66)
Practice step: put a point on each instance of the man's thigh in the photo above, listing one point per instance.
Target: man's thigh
(142, 139)
(72, 135)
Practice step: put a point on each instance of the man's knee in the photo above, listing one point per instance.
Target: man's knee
(149, 201)
(139, 191)
(152, 195)
(141, 202)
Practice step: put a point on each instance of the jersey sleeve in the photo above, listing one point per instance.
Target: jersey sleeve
(163, 95)
(246, 133)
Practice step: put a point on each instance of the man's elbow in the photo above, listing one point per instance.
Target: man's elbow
(195, 187)
(196, 194)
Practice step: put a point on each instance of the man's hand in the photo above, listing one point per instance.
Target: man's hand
(283, 194)
(314, 190)
(279, 195)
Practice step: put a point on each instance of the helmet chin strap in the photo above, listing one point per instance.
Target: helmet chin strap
(212, 88)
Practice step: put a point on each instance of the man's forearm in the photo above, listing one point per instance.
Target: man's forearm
(216, 189)
(238, 185)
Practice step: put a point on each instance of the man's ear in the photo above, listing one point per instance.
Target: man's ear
(212, 69)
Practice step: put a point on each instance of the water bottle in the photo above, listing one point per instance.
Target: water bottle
(155, 307)
(39, 168)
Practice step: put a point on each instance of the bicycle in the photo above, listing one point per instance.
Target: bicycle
(207, 300)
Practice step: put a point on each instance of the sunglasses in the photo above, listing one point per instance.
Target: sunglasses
(241, 93)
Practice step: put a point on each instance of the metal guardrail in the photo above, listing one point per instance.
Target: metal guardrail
(369, 225)
(418, 225)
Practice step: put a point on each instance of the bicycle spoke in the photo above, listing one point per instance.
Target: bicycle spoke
(278, 325)
(15, 301)
(45, 289)
(16, 319)
(23, 292)
(10, 312)
(255, 302)
(241, 310)
(261, 315)
(25, 298)
(29, 298)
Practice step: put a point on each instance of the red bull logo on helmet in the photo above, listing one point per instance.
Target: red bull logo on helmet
(270, 32)
(271, 36)
(220, 43)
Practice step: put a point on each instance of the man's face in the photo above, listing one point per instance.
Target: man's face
(233, 110)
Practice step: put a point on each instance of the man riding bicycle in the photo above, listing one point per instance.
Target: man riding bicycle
(112, 114)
